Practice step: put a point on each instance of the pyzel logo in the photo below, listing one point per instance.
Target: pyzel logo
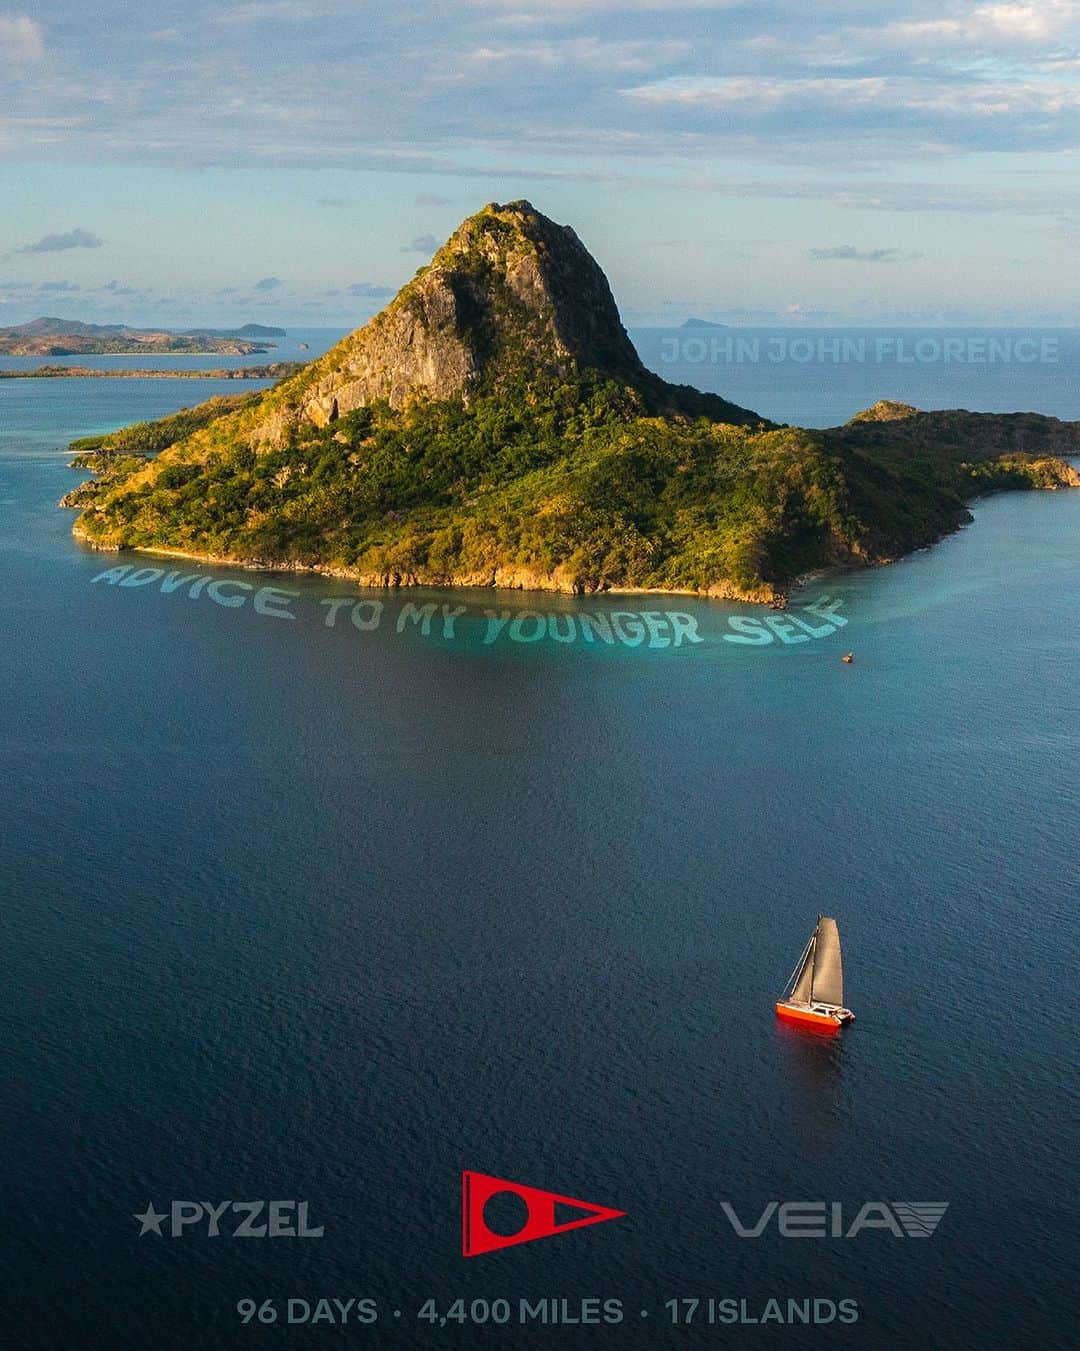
(541, 1214)
(827, 1219)
(234, 1219)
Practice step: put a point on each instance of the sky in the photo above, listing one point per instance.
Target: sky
(773, 162)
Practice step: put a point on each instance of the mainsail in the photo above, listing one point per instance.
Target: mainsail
(819, 977)
(827, 985)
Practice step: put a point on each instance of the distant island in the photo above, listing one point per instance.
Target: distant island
(700, 323)
(494, 426)
(52, 337)
(274, 370)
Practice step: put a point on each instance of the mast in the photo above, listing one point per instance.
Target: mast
(800, 980)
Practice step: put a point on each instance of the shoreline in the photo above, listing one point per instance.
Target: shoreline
(505, 579)
(775, 596)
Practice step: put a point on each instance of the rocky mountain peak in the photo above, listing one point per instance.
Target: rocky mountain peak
(510, 294)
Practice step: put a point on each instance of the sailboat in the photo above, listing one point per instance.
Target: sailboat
(814, 994)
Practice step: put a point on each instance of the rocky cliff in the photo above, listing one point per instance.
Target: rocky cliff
(510, 295)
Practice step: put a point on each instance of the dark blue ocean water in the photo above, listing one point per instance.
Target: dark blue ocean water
(331, 913)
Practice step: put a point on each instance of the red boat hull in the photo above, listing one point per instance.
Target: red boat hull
(824, 1022)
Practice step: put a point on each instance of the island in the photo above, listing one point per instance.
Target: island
(494, 426)
(274, 370)
(52, 337)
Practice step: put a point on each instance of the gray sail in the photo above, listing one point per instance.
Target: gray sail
(800, 990)
(828, 978)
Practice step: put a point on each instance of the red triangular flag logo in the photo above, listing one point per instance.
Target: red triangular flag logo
(478, 1188)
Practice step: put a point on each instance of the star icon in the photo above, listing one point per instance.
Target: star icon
(150, 1219)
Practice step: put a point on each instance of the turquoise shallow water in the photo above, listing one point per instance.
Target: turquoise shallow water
(334, 912)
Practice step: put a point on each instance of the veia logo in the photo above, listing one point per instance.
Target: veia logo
(828, 1219)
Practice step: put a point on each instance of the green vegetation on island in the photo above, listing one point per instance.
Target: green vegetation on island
(147, 438)
(494, 426)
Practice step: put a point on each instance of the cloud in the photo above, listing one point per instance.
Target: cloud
(805, 313)
(979, 29)
(609, 56)
(20, 39)
(880, 114)
(946, 48)
(72, 239)
(594, 7)
(860, 98)
(849, 253)
(369, 289)
(58, 287)
(539, 90)
(268, 284)
(114, 288)
(421, 244)
(275, 11)
(432, 199)
(329, 199)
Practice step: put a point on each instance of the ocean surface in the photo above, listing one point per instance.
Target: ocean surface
(303, 902)
(821, 377)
